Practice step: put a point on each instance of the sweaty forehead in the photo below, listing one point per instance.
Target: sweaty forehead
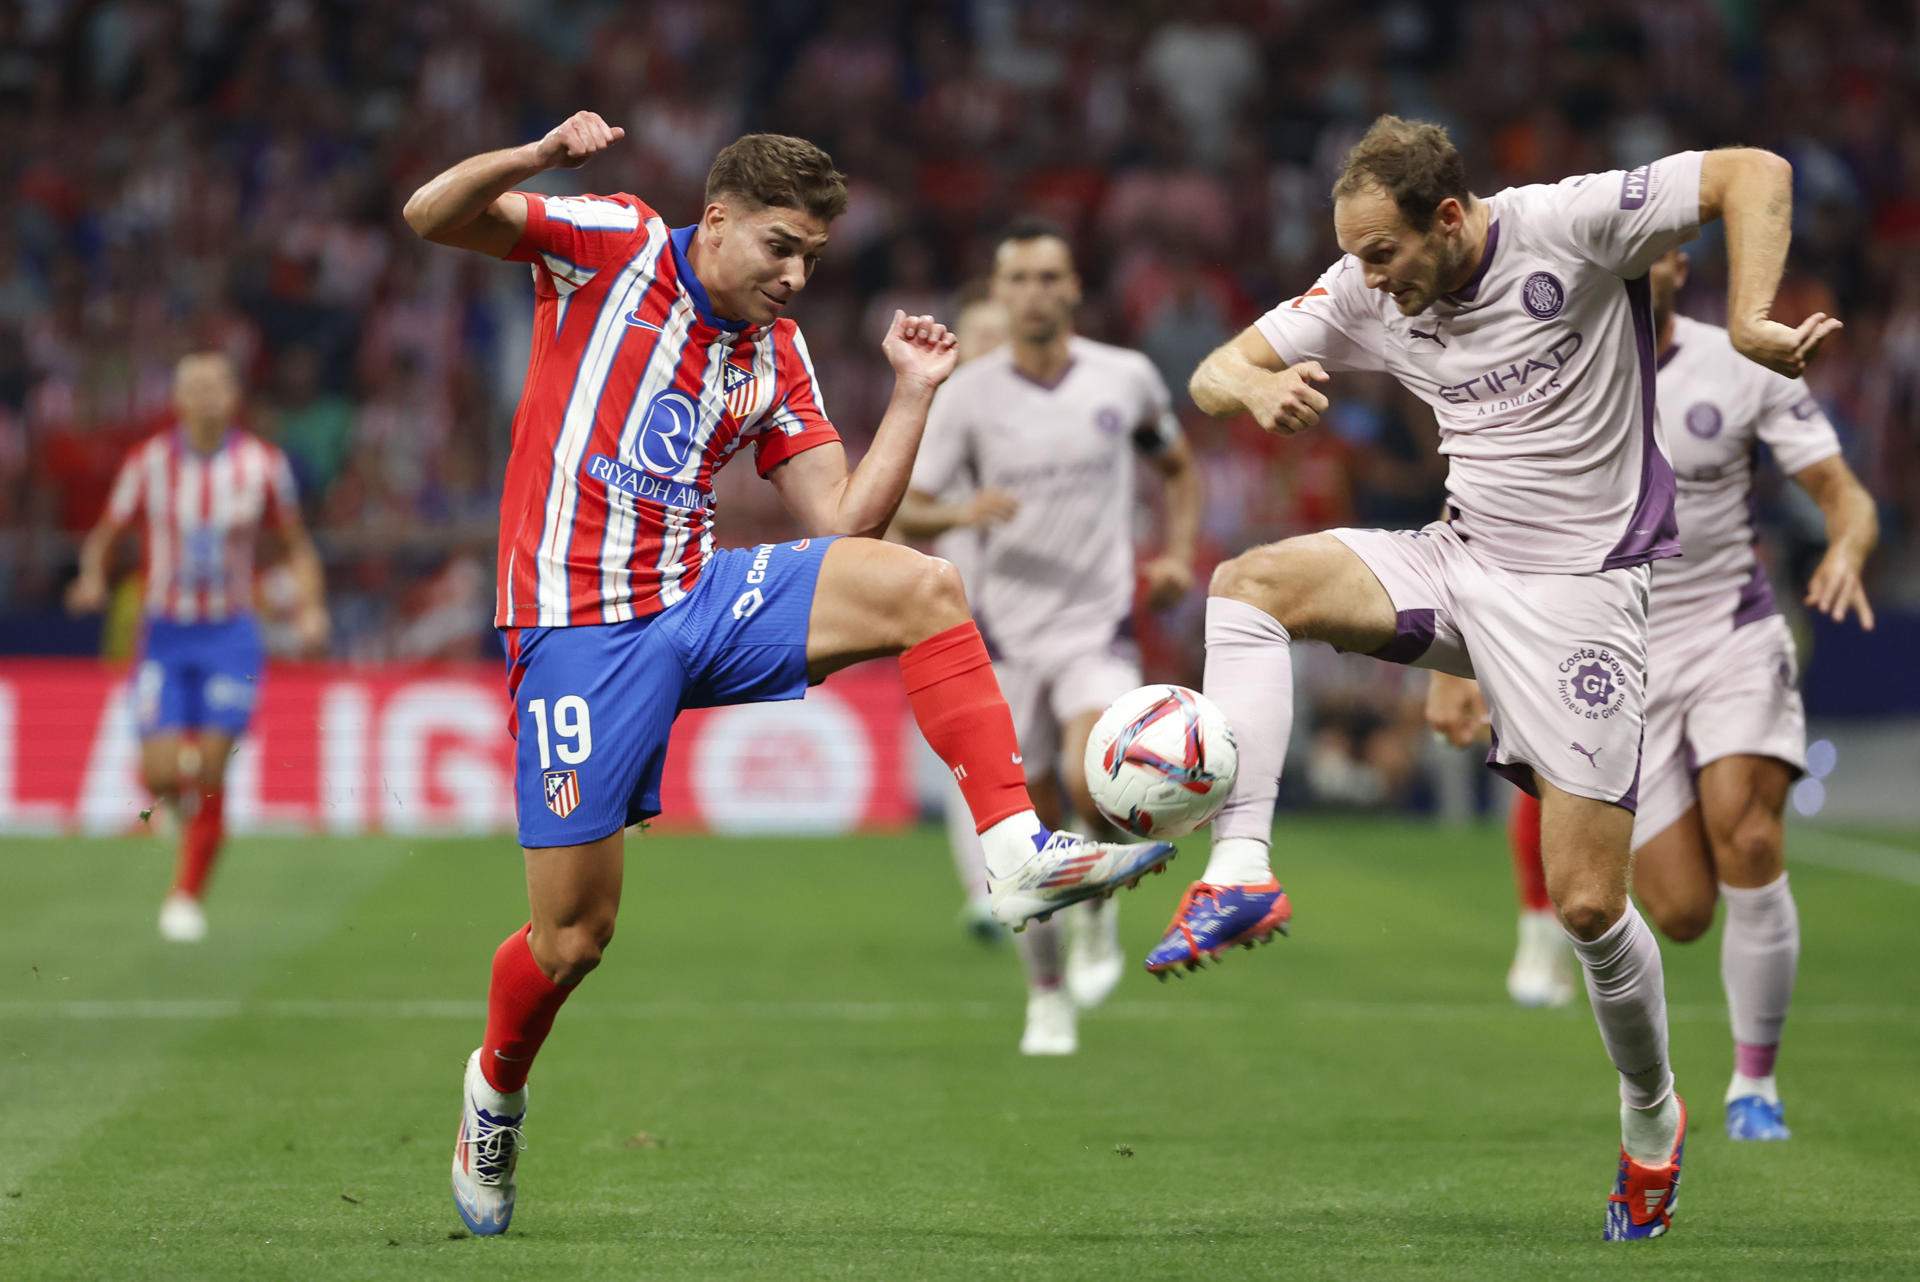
(1366, 219)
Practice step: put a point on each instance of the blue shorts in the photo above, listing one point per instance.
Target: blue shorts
(198, 676)
(592, 705)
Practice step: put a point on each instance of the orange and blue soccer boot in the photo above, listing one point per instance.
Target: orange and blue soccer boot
(1212, 919)
(1644, 1197)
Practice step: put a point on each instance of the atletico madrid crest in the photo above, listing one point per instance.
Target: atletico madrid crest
(741, 388)
(563, 791)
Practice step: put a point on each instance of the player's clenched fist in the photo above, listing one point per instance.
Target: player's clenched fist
(1287, 401)
(1781, 348)
(583, 134)
(920, 348)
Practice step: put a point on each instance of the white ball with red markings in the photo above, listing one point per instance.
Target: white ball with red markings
(1161, 761)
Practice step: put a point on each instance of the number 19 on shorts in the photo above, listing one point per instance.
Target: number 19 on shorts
(570, 736)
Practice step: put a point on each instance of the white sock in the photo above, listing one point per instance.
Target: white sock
(1648, 1133)
(1759, 956)
(1626, 987)
(1250, 675)
(1040, 950)
(1742, 1086)
(1009, 844)
(969, 864)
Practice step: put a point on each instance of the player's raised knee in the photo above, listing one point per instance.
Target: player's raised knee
(1589, 914)
(1752, 854)
(931, 597)
(568, 954)
(1273, 577)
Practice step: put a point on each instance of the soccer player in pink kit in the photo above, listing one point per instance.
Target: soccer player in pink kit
(1524, 320)
(201, 493)
(658, 354)
(1726, 731)
(1048, 429)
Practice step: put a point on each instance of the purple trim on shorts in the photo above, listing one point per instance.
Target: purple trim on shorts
(1652, 534)
(1042, 384)
(1756, 597)
(1412, 637)
(1631, 801)
(1471, 290)
(1517, 773)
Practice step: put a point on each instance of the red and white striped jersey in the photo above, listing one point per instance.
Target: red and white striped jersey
(636, 394)
(203, 513)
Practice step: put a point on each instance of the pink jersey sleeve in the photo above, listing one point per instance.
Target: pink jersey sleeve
(1793, 425)
(946, 443)
(129, 495)
(575, 236)
(1326, 324)
(799, 421)
(1623, 219)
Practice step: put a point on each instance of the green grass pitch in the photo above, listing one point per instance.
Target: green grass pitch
(792, 1065)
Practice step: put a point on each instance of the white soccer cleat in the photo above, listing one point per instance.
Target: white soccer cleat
(979, 923)
(486, 1150)
(1050, 1024)
(181, 919)
(1066, 868)
(1542, 970)
(1094, 957)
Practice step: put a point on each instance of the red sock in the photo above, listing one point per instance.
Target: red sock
(200, 844)
(951, 688)
(521, 1004)
(1523, 834)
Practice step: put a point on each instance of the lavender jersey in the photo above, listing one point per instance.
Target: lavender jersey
(1539, 369)
(1060, 572)
(1715, 406)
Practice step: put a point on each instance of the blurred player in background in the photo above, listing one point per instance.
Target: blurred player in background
(1525, 321)
(201, 493)
(1726, 731)
(979, 326)
(1044, 431)
(659, 353)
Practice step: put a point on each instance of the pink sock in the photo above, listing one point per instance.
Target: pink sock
(1759, 957)
(1249, 674)
(1626, 986)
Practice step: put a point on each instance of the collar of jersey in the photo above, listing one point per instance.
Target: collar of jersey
(681, 238)
(187, 446)
(1468, 292)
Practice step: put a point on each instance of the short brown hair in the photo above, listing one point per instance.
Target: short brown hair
(1411, 160)
(773, 169)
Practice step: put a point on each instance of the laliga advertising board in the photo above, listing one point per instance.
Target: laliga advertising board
(425, 750)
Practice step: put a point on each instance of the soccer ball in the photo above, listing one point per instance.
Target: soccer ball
(1161, 761)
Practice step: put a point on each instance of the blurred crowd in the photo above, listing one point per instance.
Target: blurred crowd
(230, 173)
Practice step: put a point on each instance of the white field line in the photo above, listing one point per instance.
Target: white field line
(843, 1012)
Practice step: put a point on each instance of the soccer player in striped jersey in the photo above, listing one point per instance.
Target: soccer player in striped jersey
(200, 493)
(658, 354)
(1726, 730)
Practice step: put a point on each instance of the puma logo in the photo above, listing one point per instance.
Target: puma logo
(1433, 338)
(1589, 755)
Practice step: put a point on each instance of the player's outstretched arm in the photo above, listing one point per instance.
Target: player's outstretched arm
(926, 516)
(1853, 531)
(1456, 710)
(311, 623)
(1248, 376)
(817, 486)
(1169, 576)
(1752, 192)
(88, 591)
(471, 206)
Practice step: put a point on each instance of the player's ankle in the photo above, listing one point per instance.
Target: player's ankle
(1011, 842)
(1238, 861)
